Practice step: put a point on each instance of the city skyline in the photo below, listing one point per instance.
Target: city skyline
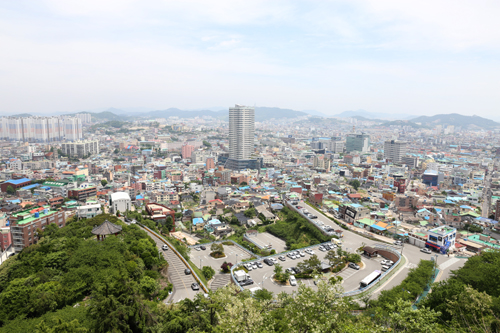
(391, 57)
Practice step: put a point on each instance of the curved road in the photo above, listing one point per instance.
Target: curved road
(181, 281)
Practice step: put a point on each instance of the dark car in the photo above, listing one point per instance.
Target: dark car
(246, 282)
(268, 262)
(203, 248)
(128, 220)
(187, 271)
(195, 286)
(11, 255)
(296, 270)
(327, 247)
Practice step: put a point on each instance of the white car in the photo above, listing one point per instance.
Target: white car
(387, 262)
(293, 281)
(311, 252)
(426, 250)
(197, 248)
(321, 248)
(254, 265)
(302, 254)
(248, 267)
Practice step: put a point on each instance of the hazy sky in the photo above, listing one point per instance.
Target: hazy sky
(417, 57)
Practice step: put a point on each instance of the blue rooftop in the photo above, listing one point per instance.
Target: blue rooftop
(18, 181)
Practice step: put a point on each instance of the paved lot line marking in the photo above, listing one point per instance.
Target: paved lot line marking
(448, 263)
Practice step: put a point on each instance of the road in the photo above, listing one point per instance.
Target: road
(351, 241)
(176, 276)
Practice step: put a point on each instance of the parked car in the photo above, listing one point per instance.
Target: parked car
(327, 247)
(302, 254)
(293, 281)
(197, 248)
(313, 217)
(426, 250)
(387, 262)
(164, 247)
(203, 248)
(274, 260)
(296, 270)
(282, 258)
(259, 264)
(291, 255)
(246, 282)
(254, 265)
(290, 270)
(321, 248)
(385, 268)
(187, 271)
(195, 286)
(249, 267)
(310, 251)
(398, 242)
(268, 262)
(128, 220)
(353, 266)
(299, 207)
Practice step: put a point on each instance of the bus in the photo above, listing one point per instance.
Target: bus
(369, 279)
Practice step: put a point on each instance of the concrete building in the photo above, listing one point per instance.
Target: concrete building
(119, 201)
(210, 163)
(86, 118)
(186, 151)
(40, 129)
(24, 225)
(357, 142)
(335, 146)
(88, 211)
(497, 210)
(241, 138)
(394, 150)
(80, 148)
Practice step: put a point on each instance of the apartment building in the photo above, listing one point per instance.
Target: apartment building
(80, 148)
(40, 129)
(24, 225)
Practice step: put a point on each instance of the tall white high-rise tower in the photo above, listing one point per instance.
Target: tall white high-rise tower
(241, 138)
(241, 132)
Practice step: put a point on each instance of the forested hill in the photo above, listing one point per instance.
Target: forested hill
(69, 276)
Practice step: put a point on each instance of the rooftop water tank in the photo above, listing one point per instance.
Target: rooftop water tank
(37, 214)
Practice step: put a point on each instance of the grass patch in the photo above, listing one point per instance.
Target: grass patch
(198, 272)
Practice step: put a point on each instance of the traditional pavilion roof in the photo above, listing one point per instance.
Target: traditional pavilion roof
(107, 228)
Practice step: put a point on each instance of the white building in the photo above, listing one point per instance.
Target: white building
(394, 150)
(80, 148)
(241, 132)
(40, 129)
(241, 138)
(119, 201)
(86, 118)
(89, 211)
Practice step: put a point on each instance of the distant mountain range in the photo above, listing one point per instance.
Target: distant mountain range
(456, 119)
(268, 113)
(373, 115)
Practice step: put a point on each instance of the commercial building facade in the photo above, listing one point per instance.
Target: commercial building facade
(395, 150)
(357, 142)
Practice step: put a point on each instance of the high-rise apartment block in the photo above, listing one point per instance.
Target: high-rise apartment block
(497, 210)
(40, 129)
(241, 132)
(395, 150)
(241, 138)
(80, 148)
(86, 118)
(357, 143)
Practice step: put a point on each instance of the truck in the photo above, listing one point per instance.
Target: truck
(241, 276)
(336, 241)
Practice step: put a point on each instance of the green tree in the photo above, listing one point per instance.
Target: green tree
(149, 286)
(310, 265)
(169, 224)
(11, 190)
(217, 248)
(355, 183)
(208, 272)
(104, 182)
(207, 144)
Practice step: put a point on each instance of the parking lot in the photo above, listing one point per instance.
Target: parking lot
(264, 239)
(233, 254)
(262, 277)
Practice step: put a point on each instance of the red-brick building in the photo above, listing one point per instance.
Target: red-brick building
(15, 183)
(24, 225)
